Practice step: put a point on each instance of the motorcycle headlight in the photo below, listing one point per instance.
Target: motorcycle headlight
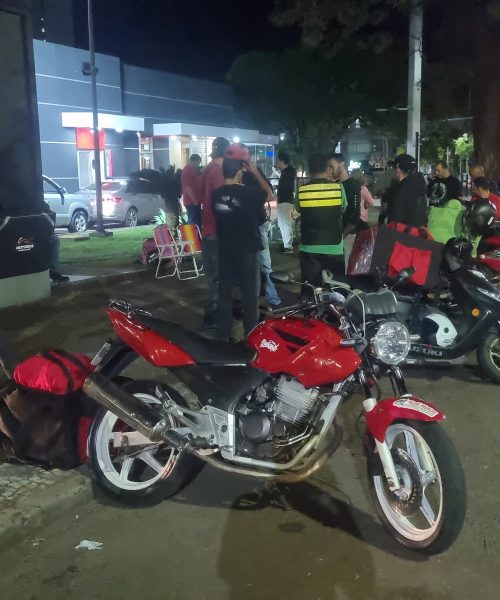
(391, 343)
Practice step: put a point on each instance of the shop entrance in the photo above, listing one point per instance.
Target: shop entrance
(86, 170)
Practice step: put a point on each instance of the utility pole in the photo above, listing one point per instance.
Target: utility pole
(95, 121)
(414, 76)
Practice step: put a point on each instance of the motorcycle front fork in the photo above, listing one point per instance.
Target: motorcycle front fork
(382, 448)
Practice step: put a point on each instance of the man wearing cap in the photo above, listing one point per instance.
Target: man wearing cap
(238, 212)
(211, 179)
(408, 204)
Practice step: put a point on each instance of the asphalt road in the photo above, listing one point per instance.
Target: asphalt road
(222, 538)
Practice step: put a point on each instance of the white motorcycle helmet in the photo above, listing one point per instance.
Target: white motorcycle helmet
(438, 330)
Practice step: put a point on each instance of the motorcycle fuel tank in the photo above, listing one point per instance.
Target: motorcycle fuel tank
(307, 349)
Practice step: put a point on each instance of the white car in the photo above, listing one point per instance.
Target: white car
(73, 211)
(127, 202)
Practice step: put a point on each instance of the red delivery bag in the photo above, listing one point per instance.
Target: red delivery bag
(360, 259)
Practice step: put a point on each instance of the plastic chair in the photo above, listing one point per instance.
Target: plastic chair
(167, 249)
(189, 246)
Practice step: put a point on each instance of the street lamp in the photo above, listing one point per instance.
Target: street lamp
(414, 77)
(92, 71)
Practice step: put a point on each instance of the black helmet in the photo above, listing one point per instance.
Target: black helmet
(480, 216)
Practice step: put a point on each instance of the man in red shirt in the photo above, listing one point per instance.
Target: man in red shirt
(212, 178)
(191, 190)
(481, 189)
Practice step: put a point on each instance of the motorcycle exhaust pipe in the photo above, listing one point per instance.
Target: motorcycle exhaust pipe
(138, 415)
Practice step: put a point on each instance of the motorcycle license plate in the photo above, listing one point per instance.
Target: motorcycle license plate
(101, 354)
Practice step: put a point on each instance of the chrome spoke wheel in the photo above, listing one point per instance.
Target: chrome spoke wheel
(494, 351)
(137, 467)
(415, 510)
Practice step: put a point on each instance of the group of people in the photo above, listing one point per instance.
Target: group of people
(228, 202)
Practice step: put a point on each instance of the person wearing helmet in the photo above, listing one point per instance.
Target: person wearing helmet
(480, 216)
(238, 213)
(408, 204)
(482, 190)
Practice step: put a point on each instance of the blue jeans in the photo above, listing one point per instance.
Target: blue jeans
(266, 268)
(194, 215)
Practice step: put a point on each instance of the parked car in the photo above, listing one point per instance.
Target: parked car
(73, 211)
(129, 202)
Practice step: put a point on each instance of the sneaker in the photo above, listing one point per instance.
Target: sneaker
(287, 251)
(58, 278)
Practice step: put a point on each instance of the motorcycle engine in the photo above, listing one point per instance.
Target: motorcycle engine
(277, 412)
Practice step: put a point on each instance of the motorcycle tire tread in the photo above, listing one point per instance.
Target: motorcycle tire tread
(484, 359)
(454, 490)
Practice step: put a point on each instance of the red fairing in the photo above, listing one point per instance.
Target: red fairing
(489, 261)
(307, 349)
(147, 343)
(393, 409)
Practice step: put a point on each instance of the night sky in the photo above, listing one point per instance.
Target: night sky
(199, 38)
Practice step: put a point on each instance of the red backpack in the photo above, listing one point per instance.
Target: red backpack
(44, 415)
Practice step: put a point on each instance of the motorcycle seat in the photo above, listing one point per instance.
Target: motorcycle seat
(378, 304)
(203, 350)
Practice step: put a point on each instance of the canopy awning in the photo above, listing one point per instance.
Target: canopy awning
(249, 136)
(106, 121)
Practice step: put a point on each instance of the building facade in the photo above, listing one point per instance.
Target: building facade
(148, 119)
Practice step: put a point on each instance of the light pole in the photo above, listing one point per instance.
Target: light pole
(414, 76)
(95, 121)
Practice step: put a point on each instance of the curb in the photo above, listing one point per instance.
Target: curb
(31, 512)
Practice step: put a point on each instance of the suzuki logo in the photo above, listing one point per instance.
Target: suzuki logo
(270, 345)
(430, 351)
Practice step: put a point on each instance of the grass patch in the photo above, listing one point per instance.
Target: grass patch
(124, 243)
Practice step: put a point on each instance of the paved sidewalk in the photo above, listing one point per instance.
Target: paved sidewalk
(31, 497)
(74, 319)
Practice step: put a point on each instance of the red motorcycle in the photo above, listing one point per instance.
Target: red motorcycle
(267, 410)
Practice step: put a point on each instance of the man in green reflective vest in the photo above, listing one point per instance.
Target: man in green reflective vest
(321, 203)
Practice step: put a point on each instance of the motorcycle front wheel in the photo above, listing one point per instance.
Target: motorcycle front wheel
(428, 512)
(137, 475)
(488, 356)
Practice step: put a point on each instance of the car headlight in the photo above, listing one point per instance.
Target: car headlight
(391, 343)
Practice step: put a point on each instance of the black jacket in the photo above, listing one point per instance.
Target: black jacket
(408, 203)
(286, 185)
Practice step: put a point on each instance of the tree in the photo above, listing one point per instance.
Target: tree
(461, 47)
(437, 138)
(311, 97)
(464, 148)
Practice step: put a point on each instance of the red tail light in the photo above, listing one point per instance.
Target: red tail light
(115, 199)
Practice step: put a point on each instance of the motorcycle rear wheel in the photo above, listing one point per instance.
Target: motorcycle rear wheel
(432, 517)
(145, 478)
(488, 356)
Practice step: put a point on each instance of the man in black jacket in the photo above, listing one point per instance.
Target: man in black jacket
(286, 199)
(238, 214)
(408, 202)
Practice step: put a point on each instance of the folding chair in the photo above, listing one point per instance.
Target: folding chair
(189, 246)
(167, 249)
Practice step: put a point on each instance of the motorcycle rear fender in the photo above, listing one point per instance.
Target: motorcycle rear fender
(407, 407)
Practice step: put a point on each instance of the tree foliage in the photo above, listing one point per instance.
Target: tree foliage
(312, 97)
(461, 48)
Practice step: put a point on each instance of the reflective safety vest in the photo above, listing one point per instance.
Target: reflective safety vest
(321, 213)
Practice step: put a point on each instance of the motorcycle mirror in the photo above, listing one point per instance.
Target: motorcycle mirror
(282, 277)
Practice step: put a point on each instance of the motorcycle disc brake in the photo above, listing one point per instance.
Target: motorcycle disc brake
(408, 500)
